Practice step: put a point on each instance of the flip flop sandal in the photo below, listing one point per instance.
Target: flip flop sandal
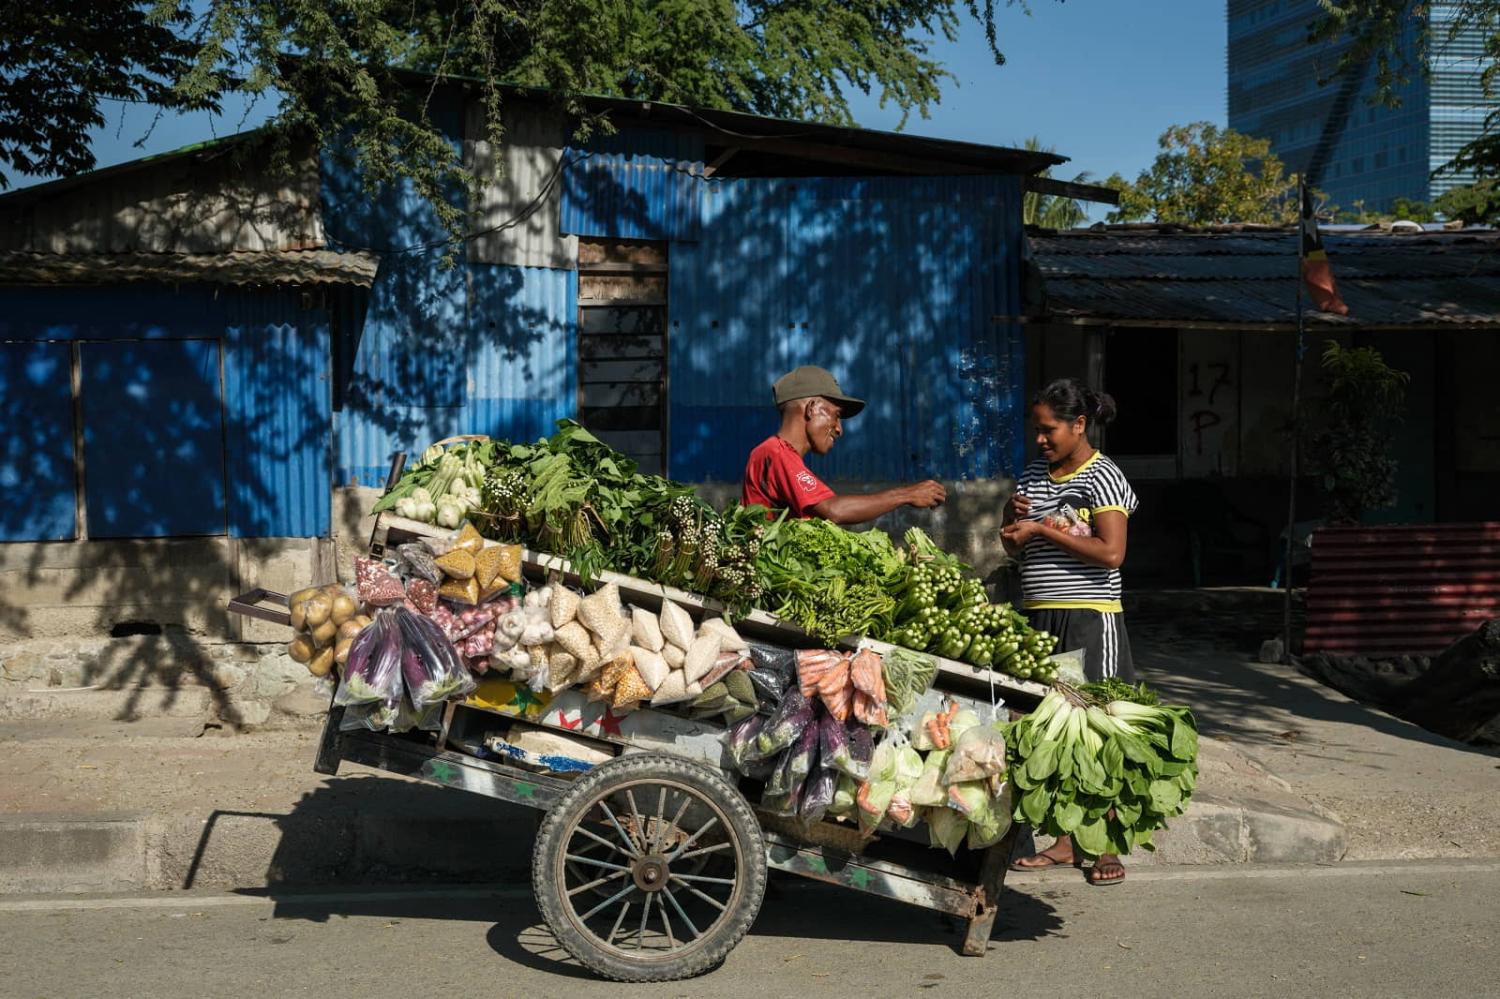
(1050, 863)
(1099, 882)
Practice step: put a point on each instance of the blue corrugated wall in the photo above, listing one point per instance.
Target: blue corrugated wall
(447, 347)
(891, 283)
(638, 183)
(171, 445)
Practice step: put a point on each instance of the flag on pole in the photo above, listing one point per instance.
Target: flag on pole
(1317, 273)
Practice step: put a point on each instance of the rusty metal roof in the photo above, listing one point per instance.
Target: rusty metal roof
(1246, 276)
(247, 267)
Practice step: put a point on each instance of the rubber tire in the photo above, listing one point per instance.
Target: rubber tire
(708, 954)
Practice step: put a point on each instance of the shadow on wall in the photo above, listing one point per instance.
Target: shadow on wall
(890, 283)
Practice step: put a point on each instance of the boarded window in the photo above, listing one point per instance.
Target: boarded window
(153, 438)
(36, 449)
(622, 346)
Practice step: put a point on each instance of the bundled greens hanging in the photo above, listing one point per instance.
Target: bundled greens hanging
(1108, 772)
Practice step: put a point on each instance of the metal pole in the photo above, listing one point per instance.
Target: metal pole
(1291, 504)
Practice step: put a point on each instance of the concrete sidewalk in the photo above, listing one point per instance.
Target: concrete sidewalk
(1401, 792)
(101, 809)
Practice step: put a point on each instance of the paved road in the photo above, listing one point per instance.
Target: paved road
(1414, 929)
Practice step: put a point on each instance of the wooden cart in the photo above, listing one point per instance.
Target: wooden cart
(651, 860)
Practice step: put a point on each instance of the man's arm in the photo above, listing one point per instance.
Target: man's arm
(846, 510)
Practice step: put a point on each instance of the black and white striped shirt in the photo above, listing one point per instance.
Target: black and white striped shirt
(1050, 577)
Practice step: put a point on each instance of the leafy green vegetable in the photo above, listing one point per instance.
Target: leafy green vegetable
(1108, 772)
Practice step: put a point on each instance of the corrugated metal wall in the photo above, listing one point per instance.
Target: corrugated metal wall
(164, 434)
(183, 205)
(1401, 589)
(519, 213)
(475, 349)
(639, 183)
(36, 445)
(279, 441)
(891, 283)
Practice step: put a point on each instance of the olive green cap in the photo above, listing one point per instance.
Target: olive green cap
(809, 381)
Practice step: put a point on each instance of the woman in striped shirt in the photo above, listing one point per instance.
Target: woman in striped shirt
(1067, 522)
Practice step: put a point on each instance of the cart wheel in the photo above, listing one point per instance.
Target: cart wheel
(649, 869)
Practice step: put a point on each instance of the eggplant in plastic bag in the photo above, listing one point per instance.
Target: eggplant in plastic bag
(434, 673)
(792, 717)
(740, 740)
(817, 797)
(773, 670)
(376, 676)
(836, 743)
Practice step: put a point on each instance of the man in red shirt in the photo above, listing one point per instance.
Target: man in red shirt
(813, 409)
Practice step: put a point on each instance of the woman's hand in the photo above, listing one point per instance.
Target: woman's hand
(1020, 532)
(1017, 507)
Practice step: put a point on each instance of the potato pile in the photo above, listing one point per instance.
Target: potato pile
(326, 619)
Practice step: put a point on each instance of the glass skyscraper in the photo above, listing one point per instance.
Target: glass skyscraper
(1321, 123)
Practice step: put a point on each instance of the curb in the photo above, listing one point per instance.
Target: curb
(419, 835)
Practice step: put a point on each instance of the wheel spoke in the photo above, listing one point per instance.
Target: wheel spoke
(681, 810)
(602, 841)
(677, 853)
(619, 920)
(681, 914)
(609, 902)
(699, 877)
(705, 849)
(661, 813)
(666, 922)
(640, 935)
(595, 883)
(597, 863)
(635, 816)
(707, 898)
(624, 837)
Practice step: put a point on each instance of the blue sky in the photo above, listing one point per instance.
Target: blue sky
(1098, 80)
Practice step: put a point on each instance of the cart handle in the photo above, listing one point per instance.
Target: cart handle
(249, 604)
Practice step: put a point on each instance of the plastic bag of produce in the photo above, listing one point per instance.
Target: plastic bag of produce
(945, 828)
(796, 763)
(420, 561)
(843, 797)
(729, 638)
(783, 804)
(817, 795)
(601, 612)
(971, 800)
(676, 625)
(907, 772)
(930, 790)
(978, 753)
(879, 788)
(564, 607)
(434, 672)
(653, 668)
(645, 630)
(375, 677)
(672, 690)
(988, 830)
(739, 741)
(792, 716)
(724, 664)
(375, 717)
(376, 584)
(772, 670)
(861, 751)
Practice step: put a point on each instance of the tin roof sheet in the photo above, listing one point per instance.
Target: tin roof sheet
(241, 268)
(1250, 277)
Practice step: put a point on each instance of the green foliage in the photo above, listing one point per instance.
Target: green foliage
(1052, 211)
(1476, 204)
(1402, 209)
(59, 62)
(1376, 31)
(346, 69)
(1206, 175)
(1352, 450)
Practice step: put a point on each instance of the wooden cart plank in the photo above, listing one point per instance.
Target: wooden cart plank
(873, 877)
(494, 780)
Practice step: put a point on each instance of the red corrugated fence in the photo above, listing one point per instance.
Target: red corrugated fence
(1401, 589)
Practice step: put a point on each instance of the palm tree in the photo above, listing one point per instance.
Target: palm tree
(1052, 211)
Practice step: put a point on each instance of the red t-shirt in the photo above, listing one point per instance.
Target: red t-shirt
(776, 477)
